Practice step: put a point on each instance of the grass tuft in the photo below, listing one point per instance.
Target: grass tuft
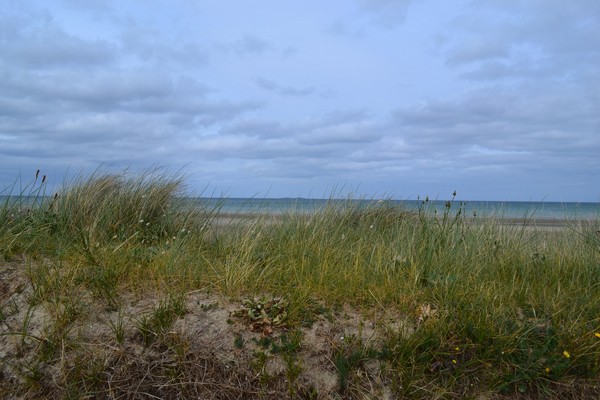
(459, 307)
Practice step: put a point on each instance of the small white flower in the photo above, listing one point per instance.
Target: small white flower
(141, 221)
(371, 227)
(147, 223)
(399, 259)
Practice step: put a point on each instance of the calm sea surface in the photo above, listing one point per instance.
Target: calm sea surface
(500, 209)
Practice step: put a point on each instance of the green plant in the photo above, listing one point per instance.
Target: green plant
(154, 325)
(117, 326)
(289, 342)
(349, 357)
(289, 347)
(238, 341)
(265, 314)
(259, 364)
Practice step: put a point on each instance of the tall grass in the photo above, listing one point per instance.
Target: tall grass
(482, 306)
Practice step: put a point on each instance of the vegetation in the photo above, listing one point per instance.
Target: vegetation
(116, 287)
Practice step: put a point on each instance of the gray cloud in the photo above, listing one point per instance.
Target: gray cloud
(387, 13)
(516, 108)
(37, 42)
(147, 44)
(94, 6)
(343, 133)
(274, 87)
(248, 44)
(528, 105)
(69, 101)
(477, 49)
(330, 136)
(339, 27)
(543, 41)
(143, 91)
(505, 129)
(260, 128)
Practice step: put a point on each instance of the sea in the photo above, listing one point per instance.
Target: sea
(497, 209)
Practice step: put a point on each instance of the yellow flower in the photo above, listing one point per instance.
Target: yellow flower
(457, 348)
(597, 334)
(453, 361)
(566, 354)
(548, 370)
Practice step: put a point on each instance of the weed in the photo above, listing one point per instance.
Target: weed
(238, 342)
(117, 326)
(350, 357)
(289, 343)
(289, 346)
(154, 325)
(263, 314)
(259, 365)
(209, 307)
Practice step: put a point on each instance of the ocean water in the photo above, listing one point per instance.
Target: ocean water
(499, 209)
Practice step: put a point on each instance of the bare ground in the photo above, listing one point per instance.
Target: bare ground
(209, 352)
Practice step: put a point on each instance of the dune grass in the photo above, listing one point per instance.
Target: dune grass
(462, 308)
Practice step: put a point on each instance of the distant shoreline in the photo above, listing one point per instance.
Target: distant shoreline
(504, 210)
(225, 218)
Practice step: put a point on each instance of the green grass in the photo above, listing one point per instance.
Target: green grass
(483, 307)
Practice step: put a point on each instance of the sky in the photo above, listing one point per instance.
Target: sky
(496, 99)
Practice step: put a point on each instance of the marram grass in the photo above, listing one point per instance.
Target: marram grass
(462, 307)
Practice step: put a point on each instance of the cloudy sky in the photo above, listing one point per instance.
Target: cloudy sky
(497, 99)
